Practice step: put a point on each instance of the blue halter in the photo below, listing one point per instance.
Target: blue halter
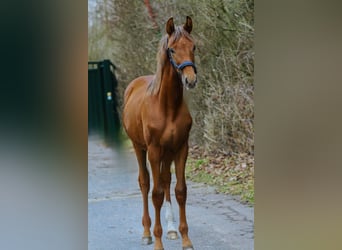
(182, 65)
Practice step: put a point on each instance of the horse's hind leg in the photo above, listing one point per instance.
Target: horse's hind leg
(166, 176)
(144, 183)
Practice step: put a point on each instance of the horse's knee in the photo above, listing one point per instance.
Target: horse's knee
(143, 183)
(158, 197)
(181, 194)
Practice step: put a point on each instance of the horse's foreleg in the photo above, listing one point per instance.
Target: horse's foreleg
(157, 194)
(181, 193)
(144, 183)
(166, 176)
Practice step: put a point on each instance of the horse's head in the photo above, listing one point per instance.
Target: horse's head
(181, 48)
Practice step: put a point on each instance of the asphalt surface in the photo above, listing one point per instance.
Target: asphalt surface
(216, 221)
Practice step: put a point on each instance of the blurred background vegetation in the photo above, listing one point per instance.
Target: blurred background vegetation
(222, 107)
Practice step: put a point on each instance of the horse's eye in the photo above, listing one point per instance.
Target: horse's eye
(172, 50)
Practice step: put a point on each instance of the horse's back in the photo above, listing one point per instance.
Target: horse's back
(137, 87)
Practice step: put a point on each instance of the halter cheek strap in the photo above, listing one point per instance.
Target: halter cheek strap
(182, 65)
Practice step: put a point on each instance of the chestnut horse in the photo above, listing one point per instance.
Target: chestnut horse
(158, 122)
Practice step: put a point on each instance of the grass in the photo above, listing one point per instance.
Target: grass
(233, 176)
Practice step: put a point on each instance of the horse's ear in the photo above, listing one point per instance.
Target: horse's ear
(188, 24)
(170, 27)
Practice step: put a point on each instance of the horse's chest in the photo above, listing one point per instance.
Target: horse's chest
(174, 134)
(168, 132)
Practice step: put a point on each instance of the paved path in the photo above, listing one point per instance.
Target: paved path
(216, 221)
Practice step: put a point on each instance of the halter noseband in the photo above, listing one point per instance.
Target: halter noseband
(182, 65)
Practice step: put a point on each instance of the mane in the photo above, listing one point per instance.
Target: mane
(162, 58)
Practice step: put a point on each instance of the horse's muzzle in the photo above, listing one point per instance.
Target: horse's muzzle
(189, 81)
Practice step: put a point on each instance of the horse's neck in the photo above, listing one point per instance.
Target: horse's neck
(171, 91)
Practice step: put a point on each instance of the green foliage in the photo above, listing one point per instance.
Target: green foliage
(226, 176)
(200, 162)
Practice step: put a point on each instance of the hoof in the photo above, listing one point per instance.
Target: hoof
(172, 235)
(188, 248)
(146, 240)
(159, 249)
